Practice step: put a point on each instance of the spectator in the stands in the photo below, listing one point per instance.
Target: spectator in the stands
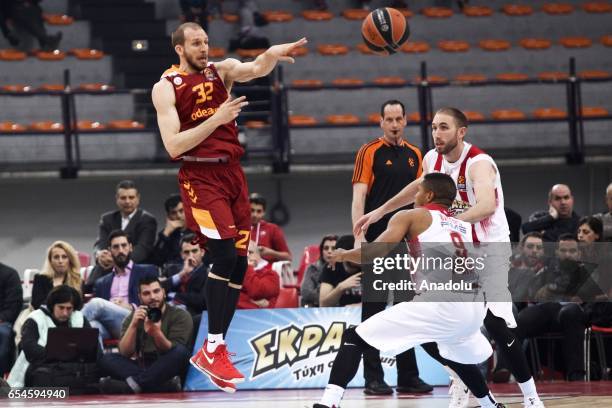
(186, 282)
(261, 285)
(311, 282)
(61, 310)
(341, 286)
(606, 217)
(596, 253)
(138, 223)
(195, 11)
(560, 217)
(117, 293)
(7, 31)
(525, 267)
(268, 236)
(249, 35)
(168, 246)
(27, 15)
(11, 301)
(514, 223)
(61, 267)
(153, 351)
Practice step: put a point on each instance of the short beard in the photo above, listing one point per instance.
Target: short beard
(122, 263)
(193, 64)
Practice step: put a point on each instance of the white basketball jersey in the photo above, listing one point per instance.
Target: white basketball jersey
(445, 228)
(491, 229)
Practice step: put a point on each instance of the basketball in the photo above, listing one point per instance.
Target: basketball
(384, 30)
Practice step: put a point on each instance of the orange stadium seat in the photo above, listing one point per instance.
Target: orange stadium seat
(364, 49)
(390, 81)
(58, 19)
(342, 119)
(310, 255)
(374, 117)
(606, 40)
(512, 77)
(277, 16)
(332, 49)
(216, 52)
(355, 14)
(88, 125)
(494, 45)
(255, 124)
(415, 47)
(47, 126)
(125, 124)
(17, 88)
(594, 74)
(437, 12)
(317, 15)
(575, 42)
(302, 120)
(12, 55)
(87, 53)
(507, 114)
(230, 18)
(11, 127)
(287, 298)
(51, 87)
(84, 259)
(468, 78)
(477, 11)
(55, 55)
(405, 12)
(594, 111)
(517, 10)
(597, 7)
(95, 86)
(549, 113)
(413, 117)
(557, 8)
(432, 79)
(348, 82)
(243, 53)
(535, 43)
(453, 46)
(474, 115)
(307, 83)
(299, 52)
(552, 76)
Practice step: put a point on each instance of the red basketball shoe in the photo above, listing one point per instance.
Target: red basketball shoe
(217, 364)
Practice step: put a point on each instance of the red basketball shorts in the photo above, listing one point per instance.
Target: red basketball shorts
(216, 201)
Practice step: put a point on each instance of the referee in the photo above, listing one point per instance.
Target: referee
(383, 167)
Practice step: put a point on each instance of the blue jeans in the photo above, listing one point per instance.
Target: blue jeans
(6, 346)
(155, 373)
(106, 317)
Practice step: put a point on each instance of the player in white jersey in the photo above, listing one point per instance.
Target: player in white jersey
(455, 326)
(480, 201)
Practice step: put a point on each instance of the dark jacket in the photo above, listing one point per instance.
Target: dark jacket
(11, 295)
(190, 292)
(550, 228)
(167, 249)
(102, 287)
(141, 229)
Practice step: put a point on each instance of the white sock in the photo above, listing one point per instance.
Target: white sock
(528, 389)
(487, 401)
(332, 396)
(213, 341)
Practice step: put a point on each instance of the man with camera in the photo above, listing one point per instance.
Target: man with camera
(157, 334)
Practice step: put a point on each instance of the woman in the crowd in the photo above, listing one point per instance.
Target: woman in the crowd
(311, 283)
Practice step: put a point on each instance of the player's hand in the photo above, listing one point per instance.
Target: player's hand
(362, 224)
(229, 110)
(282, 51)
(336, 256)
(353, 281)
(553, 212)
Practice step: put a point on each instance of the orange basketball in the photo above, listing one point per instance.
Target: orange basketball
(384, 30)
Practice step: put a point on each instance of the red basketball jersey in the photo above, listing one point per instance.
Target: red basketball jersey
(198, 96)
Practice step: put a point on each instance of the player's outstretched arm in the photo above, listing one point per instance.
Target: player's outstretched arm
(233, 70)
(483, 176)
(176, 142)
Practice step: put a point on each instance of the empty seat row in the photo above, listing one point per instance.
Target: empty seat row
(55, 55)
(85, 87)
(56, 127)
(499, 114)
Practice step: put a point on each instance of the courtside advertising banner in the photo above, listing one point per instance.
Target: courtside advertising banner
(295, 348)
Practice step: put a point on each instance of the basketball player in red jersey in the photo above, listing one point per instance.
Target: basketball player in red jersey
(479, 201)
(196, 118)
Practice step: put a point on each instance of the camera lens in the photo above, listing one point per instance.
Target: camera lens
(154, 314)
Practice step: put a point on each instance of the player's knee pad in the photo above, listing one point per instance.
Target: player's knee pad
(239, 271)
(351, 338)
(223, 257)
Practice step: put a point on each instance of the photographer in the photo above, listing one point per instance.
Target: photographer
(157, 334)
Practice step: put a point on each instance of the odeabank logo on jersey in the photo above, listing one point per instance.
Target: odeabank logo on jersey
(277, 348)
